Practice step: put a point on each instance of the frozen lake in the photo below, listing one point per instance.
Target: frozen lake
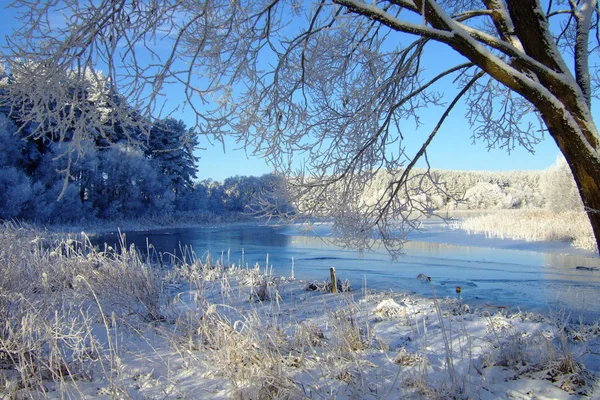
(532, 276)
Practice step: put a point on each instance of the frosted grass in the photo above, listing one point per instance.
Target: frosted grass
(534, 225)
(83, 322)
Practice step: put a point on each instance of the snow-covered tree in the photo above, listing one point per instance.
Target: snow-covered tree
(486, 196)
(171, 147)
(15, 192)
(194, 200)
(558, 188)
(239, 191)
(130, 186)
(329, 86)
(45, 205)
(10, 148)
(15, 186)
(216, 194)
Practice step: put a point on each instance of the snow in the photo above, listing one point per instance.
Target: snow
(305, 344)
(223, 332)
(396, 23)
(526, 275)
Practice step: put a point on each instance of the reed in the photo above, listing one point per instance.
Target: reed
(82, 322)
(534, 225)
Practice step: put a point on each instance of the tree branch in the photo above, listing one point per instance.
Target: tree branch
(583, 16)
(400, 182)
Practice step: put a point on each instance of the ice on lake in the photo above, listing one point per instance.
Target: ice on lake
(539, 276)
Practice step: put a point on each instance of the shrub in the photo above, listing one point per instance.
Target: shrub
(558, 187)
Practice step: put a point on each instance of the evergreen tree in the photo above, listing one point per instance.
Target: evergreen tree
(171, 147)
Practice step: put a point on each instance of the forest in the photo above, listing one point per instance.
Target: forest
(123, 173)
(128, 175)
(133, 167)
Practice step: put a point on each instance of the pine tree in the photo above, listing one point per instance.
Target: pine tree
(171, 148)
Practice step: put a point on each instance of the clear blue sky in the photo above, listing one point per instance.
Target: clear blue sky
(452, 148)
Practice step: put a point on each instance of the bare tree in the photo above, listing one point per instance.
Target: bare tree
(327, 91)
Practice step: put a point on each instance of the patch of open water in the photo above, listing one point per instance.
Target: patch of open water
(532, 276)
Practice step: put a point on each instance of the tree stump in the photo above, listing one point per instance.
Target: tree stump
(333, 280)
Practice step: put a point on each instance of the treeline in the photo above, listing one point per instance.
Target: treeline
(553, 188)
(238, 195)
(127, 167)
(135, 168)
(48, 181)
(433, 190)
(114, 182)
(118, 181)
(130, 168)
(490, 189)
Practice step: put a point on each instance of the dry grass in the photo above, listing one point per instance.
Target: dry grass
(73, 315)
(534, 225)
(547, 354)
(55, 294)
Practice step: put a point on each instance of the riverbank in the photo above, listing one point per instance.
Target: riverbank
(534, 225)
(182, 220)
(82, 323)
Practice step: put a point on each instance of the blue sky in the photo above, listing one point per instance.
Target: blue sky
(452, 148)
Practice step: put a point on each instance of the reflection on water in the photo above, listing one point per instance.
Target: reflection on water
(528, 279)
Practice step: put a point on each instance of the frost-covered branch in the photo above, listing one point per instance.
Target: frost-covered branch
(327, 92)
(583, 16)
(392, 191)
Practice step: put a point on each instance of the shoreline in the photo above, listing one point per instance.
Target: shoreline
(106, 326)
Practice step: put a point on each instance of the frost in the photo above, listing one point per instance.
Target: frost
(326, 93)
(388, 308)
(559, 189)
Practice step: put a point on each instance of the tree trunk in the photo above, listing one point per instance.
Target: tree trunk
(583, 158)
(588, 183)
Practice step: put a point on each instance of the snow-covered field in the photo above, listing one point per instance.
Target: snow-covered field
(84, 323)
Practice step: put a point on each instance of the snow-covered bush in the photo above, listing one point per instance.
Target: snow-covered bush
(558, 188)
(485, 195)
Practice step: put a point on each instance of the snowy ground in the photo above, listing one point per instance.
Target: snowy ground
(207, 331)
(225, 337)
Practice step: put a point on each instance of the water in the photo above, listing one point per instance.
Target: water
(498, 272)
